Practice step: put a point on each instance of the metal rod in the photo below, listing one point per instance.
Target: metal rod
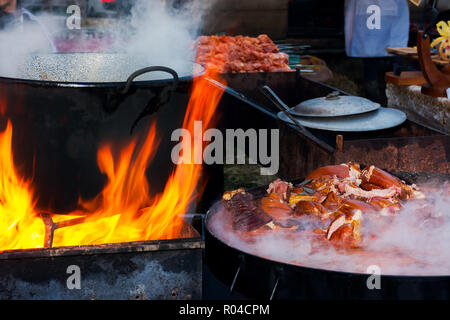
(226, 88)
(241, 97)
(241, 258)
(274, 289)
(234, 279)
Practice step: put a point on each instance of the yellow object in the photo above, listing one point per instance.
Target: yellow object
(416, 2)
(444, 40)
(296, 198)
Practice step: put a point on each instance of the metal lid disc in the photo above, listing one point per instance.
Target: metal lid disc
(334, 105)
(383, 118)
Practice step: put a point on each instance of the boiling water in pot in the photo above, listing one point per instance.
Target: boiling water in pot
(95, 67)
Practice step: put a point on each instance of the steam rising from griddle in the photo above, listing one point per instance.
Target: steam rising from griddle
(415, 242)
(154, 32)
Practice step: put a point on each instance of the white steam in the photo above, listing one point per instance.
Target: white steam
(155, 33)
(164, 34)
(422, 232)
(416, 242)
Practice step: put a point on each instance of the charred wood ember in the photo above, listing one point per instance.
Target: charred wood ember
(246, 215)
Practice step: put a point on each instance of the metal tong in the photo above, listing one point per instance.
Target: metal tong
(285, 109)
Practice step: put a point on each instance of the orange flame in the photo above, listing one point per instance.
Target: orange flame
(19, 226)
(123, 211)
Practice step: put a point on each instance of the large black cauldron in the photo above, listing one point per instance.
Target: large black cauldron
(59, 120)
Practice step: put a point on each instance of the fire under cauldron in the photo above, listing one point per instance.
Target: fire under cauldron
(62, 106)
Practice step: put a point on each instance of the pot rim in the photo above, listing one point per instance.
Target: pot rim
(198, 71)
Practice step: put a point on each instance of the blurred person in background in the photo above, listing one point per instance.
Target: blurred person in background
(371, 26)
(13, 16)
(7, 12)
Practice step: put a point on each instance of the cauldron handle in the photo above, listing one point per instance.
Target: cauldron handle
(139, 72)
(155, 103)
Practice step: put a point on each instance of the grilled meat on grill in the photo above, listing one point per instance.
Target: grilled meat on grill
(226, 54)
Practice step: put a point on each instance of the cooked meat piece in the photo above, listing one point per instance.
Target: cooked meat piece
(246, 216)
(340, 171)
(277, 209)
(332, 201)
(375, 193)
(281, 188)
(310, 207)
(346, 229)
